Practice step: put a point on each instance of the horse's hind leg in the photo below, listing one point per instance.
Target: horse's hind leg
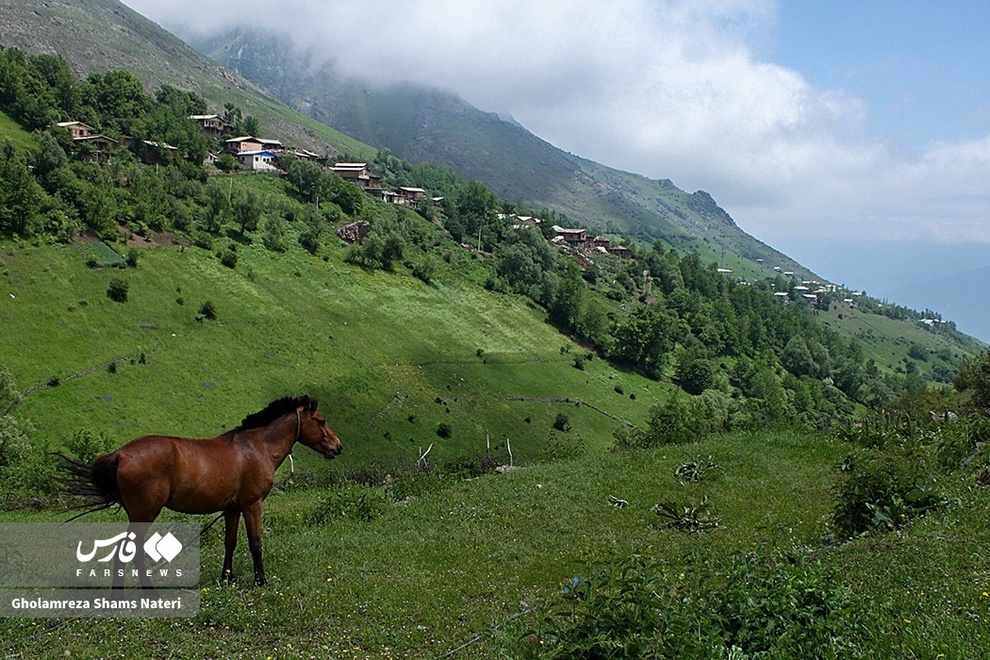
(231, 518)
(252, 522)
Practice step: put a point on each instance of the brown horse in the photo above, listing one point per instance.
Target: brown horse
(232, 473)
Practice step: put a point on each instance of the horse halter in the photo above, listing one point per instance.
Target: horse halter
(292, 463)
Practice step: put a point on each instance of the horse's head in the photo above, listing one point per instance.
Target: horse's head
(313, 430)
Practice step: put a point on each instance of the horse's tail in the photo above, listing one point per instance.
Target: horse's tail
(95, 483)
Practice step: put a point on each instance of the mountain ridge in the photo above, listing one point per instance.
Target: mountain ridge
(422, 124)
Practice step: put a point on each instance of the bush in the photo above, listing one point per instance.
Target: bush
(634, 607)
(882, 490)
(444, 430)
(229, 259)
(117, 291)
(562, 423)
(424, 269)
(696, 469)
(675, 421)
(686, 517)
(208, 310)
(351, 502)
(14, 444)
(86, 445)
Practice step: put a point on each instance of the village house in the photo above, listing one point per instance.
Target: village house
(309, 155)
(621, 251)
(154, 153)
(357, 173)
(77, 129)
(409, 196)
(600, 242)
(575, 238)
(250, 144)
(386, 196)
(213, 125)
(258, 161)
(520, 221)
(90, 144)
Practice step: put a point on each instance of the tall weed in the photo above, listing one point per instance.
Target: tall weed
(636, 607)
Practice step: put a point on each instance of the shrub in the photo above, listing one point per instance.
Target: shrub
(362, 503)
(675, 421)
(229, 259)
(14, 444)
(208, 310)
(444, 430)
(881, 490)
(424, 269)
(561, 448)
(634, 607)
(686, 517)
(86, 445)
(117, 291)
(696, 469)
(562, 423)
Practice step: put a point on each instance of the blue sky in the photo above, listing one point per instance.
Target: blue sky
(848, 134)
(922, 67)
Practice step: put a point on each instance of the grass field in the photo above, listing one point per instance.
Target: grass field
(389, 357)
(457, 563)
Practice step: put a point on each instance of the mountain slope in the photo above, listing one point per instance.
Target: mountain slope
(100, 35)
(420, 125)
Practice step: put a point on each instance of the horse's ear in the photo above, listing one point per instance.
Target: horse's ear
(310, 403)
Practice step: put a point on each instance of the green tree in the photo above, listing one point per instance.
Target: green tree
(695, 372)
(218, 208)
(348, 196)
(247, 209)
(22, 199)
(308, 179)
(118, 97)
(274, 234)
(973, 381)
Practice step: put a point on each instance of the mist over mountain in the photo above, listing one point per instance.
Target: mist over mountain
(422, 124)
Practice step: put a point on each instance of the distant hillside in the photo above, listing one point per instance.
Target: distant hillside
(99, 35)
(963, 297)
(420, 125)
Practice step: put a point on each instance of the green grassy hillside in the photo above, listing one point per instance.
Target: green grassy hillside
(389, 356)
(11, 130)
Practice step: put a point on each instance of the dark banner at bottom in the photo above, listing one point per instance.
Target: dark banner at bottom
(147, 603)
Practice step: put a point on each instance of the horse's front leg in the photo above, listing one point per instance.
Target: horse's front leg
(231, 517)
(252, 522)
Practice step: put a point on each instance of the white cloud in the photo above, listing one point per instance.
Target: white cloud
(667, 88)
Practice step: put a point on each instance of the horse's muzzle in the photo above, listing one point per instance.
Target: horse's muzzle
(332, 451)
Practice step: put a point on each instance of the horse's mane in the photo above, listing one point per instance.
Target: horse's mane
(274, 410)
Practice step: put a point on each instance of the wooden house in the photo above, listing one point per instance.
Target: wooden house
(575, 238)
(249, 143)
(409, 196)
(357, 173)
(213, 125)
